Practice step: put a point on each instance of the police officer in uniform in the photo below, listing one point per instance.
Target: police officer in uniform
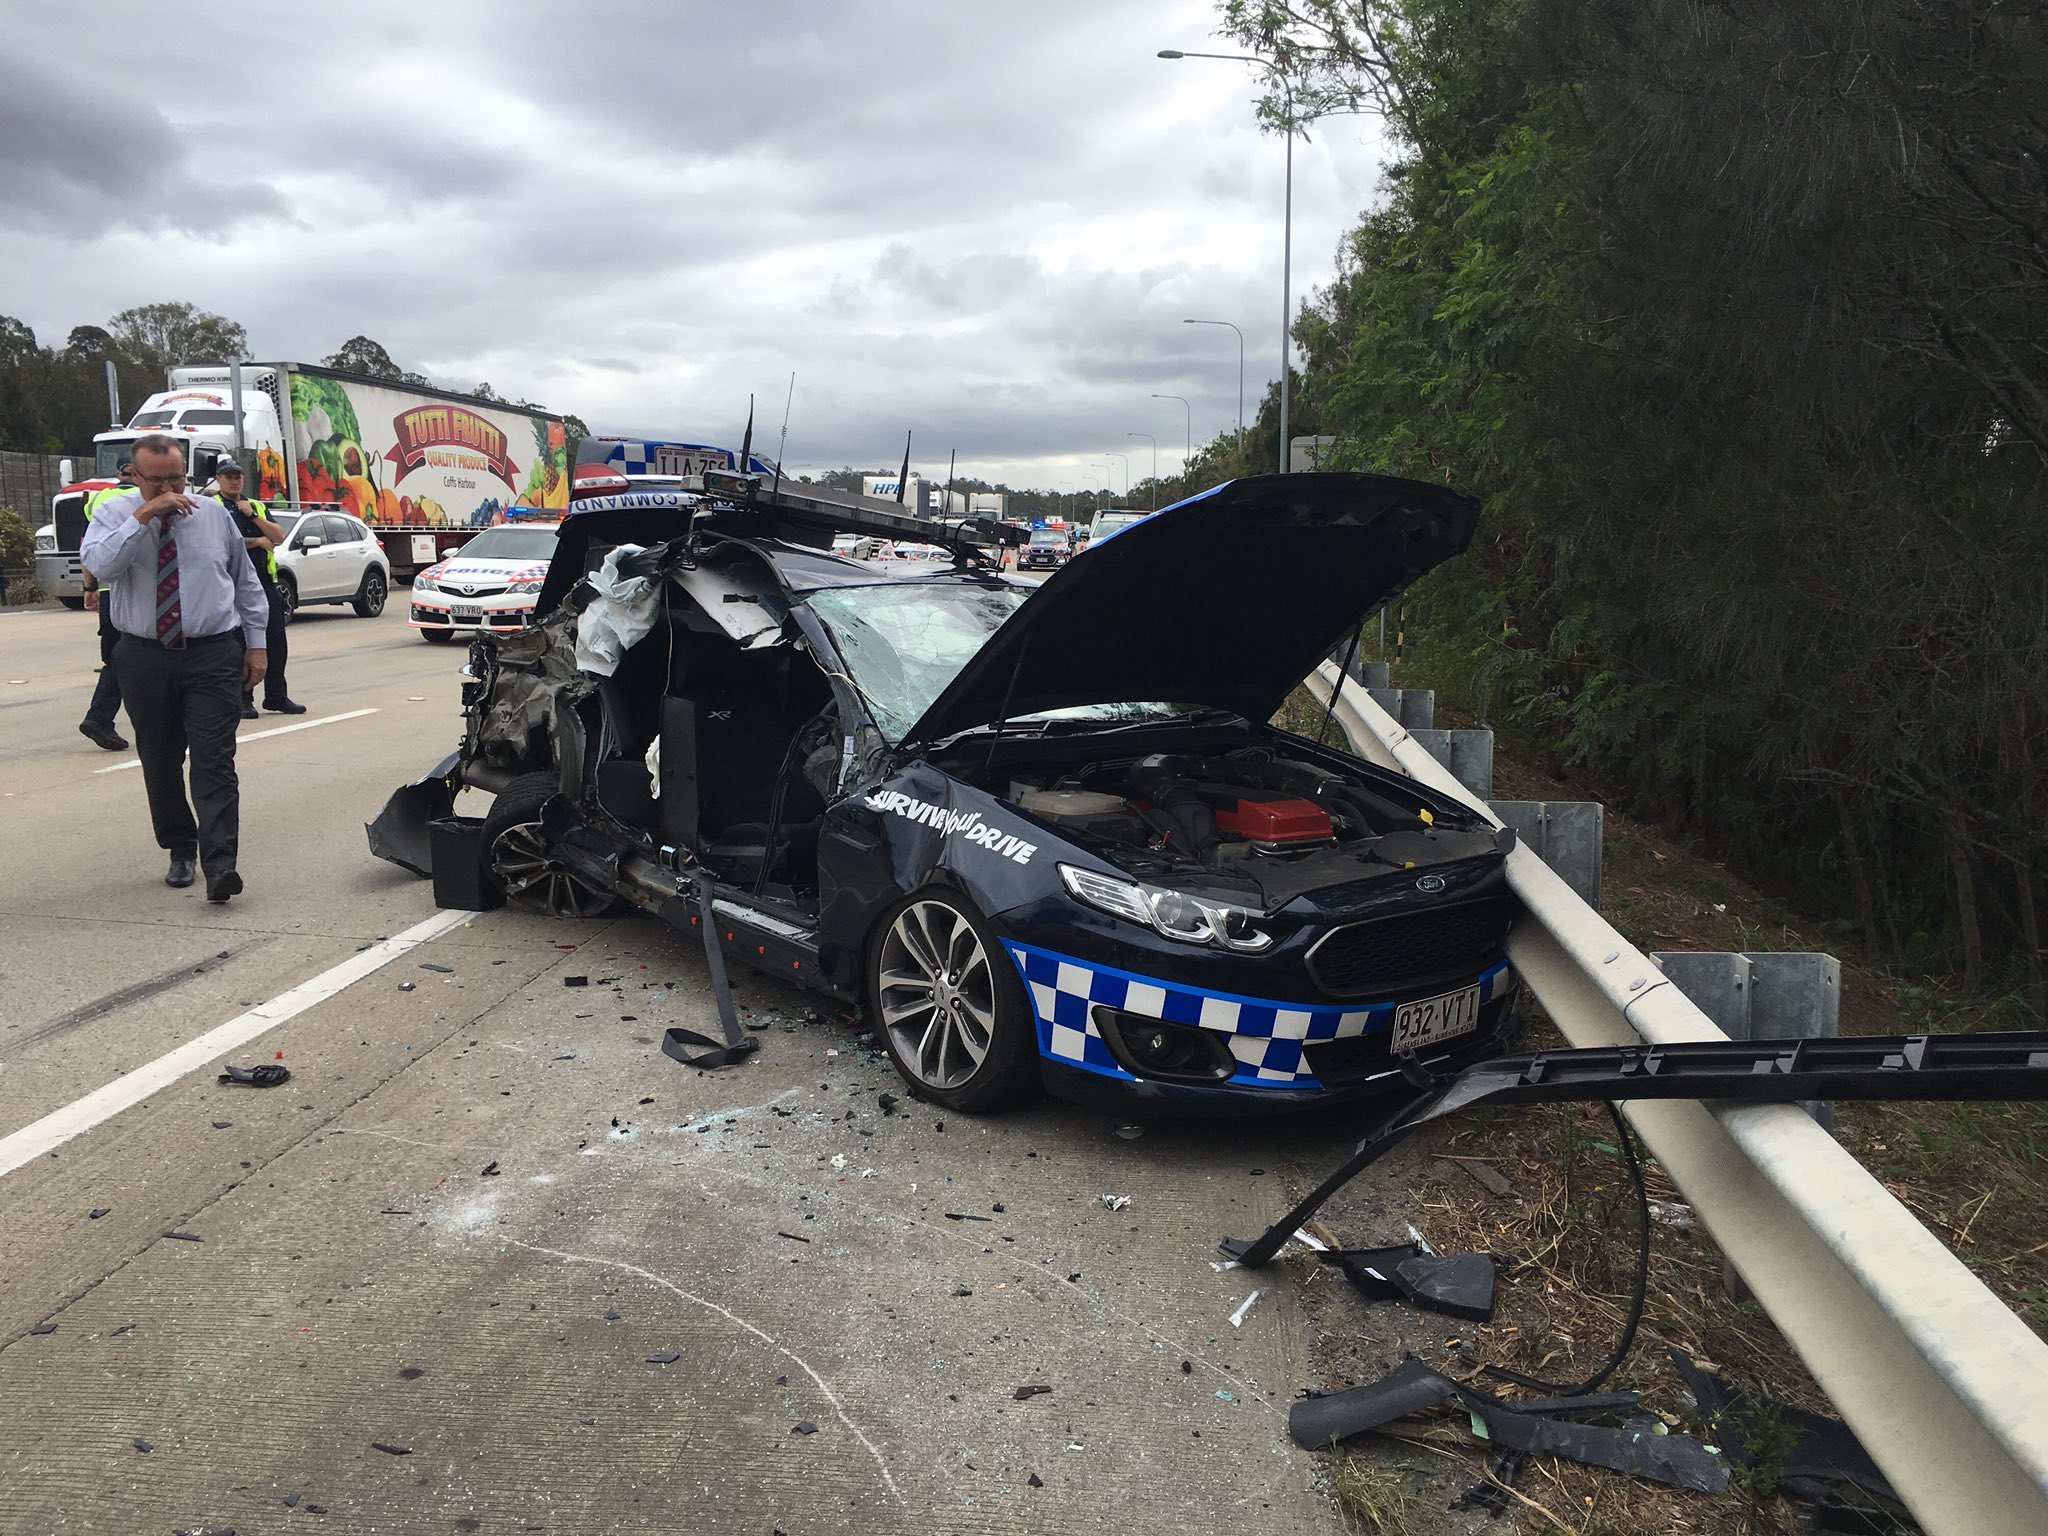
(262, 537)
(98, 724)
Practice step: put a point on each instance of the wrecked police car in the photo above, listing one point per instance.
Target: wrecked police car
(1041, 835)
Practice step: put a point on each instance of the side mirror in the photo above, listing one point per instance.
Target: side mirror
(311, 541)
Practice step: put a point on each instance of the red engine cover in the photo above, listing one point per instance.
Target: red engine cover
(1277, 821)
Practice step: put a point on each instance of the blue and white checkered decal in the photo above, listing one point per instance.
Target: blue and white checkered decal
(1265, 1037)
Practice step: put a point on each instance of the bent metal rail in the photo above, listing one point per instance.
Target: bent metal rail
(1947, 1389)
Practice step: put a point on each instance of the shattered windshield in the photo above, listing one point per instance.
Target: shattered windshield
(904, 643)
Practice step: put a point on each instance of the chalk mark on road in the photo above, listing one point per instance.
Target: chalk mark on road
(103, 1103)
(732, 1317)
(276, 730)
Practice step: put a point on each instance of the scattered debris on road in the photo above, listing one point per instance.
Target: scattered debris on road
(42, 1328)
(489, 1170)
(805, 1427)
(1640, 1444)
(184, 1237)
(1026, 1393)
(429, 965)
(1244, 1308)
(1129, 1132)
(390, 1450)
(665, 1357)
(1460, 1285)
(1115, 1202)
(264, 1075)
(144, 1446)
(97, 1212)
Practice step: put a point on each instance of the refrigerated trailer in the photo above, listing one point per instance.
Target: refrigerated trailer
(425, 468)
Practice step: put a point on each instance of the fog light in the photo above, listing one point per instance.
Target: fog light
(1156, 1048)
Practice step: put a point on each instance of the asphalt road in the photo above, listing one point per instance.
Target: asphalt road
(435, 1281)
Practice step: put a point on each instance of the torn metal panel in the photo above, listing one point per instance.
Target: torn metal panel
(400, 832)
(738, 596)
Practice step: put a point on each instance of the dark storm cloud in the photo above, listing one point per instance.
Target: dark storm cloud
(985, 224)
(71, 161)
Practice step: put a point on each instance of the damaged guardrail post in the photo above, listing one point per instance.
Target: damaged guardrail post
(1468, 754)
(1568, 835)
(1944, 1386)
(1413, 707)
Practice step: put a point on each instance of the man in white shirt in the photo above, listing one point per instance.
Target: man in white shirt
(192, 617)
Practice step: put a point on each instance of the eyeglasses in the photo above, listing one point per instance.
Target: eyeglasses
(163, 480)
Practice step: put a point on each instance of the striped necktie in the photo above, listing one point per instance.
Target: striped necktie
(170, 615)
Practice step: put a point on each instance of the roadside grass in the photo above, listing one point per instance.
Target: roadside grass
(1975, 1174)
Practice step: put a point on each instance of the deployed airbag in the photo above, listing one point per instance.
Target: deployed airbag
(621, 611)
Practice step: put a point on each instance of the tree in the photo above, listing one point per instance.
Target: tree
(485, 392)
(88, 343)
(160, 336)
(17, 342)
(359, 354)
(1737, 318)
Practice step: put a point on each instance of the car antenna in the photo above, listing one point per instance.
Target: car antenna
(783, 441)
(903, 475)
(747, 442)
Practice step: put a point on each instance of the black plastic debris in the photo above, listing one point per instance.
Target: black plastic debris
(575, 981)
(1026, 1393)
(1490, 1495)
(804, 1428)
(1639, 1445)
(665, 1357)
(429, 965)
(407, 986)
(793, 1237)
(184, 1237)
(42, 1328)
(144, 1446)
(1458, 1285)
(390, 1450)
(489, 1170)
(223, 1125)
(1825, 1466)
(1034, 1481)
(97, 1212)
(264, 1075)
(410, 1373)
(965, 1216)
(886, 1102)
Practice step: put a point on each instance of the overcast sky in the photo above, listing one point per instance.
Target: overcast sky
(984, 222)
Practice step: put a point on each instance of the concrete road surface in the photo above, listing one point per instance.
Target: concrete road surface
(489, 1261)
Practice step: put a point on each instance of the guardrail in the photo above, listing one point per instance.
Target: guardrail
(1945, 1387)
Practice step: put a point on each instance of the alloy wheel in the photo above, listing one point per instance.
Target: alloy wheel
(937, 994)
(538, 883)
(373, 595)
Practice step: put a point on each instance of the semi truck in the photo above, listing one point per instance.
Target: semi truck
(425, 468)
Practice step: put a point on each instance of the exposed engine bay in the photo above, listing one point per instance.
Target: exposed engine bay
(1252, 819)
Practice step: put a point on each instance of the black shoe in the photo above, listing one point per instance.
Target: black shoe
(180, 872)
(249, 710)
(220, 887)
(103, 735)
(285, 707)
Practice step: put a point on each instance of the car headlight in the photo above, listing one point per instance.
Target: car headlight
(46, 543)
(426, 581)
(1173, 914)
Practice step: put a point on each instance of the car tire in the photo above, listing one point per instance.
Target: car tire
(989, 1011)
(287, 595)
(437, 636)
(75, 604)
(516, 865)
(369, 599)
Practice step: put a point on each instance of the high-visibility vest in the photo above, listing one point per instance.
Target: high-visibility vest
(94, 502)
(262, 509)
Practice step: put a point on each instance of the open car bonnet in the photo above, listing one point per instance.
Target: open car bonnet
(1225, 599)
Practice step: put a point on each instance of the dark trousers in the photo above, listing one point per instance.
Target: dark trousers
(274, 690)
(179, 700)
(106, 693)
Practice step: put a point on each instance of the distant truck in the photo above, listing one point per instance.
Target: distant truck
(988, 504)
(917, 496)
(423, 467)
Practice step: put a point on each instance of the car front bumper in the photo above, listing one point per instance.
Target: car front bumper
(505, 614)
(1284, 1054)
(58, 575)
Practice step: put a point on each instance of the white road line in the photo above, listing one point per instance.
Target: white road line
(59, 1126)
(276, 730)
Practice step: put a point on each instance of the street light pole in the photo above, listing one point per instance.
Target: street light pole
(1286, 227)
(1191, 427)
(1155, 464)
(1240, 375)
(1125, 460)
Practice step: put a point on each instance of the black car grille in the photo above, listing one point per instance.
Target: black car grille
(464, 595)
(1392, 954)
(68, 512)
